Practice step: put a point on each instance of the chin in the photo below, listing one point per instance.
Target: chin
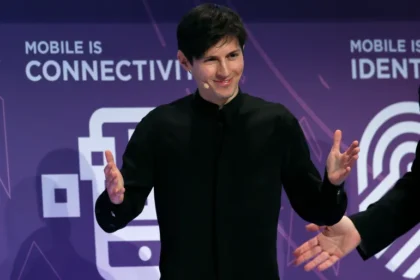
(226, 93)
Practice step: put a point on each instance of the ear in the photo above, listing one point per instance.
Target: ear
(184, 61)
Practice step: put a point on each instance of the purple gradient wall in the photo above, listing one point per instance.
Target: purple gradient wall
(55, 125)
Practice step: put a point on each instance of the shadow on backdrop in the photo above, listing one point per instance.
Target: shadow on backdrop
(48, 252)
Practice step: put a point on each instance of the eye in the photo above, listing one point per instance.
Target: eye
(233, 55)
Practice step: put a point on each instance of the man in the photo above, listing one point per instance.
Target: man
(369, 231)
(217, 160)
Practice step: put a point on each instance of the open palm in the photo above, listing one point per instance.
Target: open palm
(329, 246)
(339, 164)
(114, 181)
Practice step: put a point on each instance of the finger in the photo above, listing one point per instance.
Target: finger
(312, 227)
(345, 171)
(306, 246)
(352, 160)
(109, 166)
(324, 256)
(119, 191)
(342, 174)
(114, 172)
(110, 174)
(353, 145)
(108, 169)
(328, 263)
(337, 140)
(308, 255)
(113, 178)
(353, 151)
(109, 157)
(112, 182)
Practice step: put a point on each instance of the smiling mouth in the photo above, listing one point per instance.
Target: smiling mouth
(223, 82)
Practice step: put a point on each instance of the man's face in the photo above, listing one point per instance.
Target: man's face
(221, 68)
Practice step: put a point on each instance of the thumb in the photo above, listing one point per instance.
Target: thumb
(337, 140)
(312, 227)
(109, 157)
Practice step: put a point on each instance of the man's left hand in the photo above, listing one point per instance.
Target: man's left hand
(340, 164)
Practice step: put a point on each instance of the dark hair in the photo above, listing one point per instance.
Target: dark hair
(204, 26)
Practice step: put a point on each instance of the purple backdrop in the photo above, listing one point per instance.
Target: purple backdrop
(61, 110)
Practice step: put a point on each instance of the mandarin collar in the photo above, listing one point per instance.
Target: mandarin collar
(228, 112)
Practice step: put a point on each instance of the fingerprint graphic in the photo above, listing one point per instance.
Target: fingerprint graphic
(388, 141)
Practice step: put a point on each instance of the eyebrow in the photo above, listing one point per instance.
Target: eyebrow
(213, 56)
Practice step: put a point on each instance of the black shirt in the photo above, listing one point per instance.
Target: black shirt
(217, 176)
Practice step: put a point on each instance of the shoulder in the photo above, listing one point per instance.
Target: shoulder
(172, 110)
(275, 111)
(152, 123)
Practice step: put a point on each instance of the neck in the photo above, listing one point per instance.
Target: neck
(220, 101)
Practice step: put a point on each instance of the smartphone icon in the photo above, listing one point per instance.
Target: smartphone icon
(133, 252)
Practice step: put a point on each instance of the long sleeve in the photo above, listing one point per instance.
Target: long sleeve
(137, 171)
(391, 216)
(314, 199)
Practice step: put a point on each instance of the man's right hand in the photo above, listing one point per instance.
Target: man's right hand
(113, 180)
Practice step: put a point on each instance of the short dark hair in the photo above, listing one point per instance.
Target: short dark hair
(204, 26)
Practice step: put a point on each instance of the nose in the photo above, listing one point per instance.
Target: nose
(223, 70)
